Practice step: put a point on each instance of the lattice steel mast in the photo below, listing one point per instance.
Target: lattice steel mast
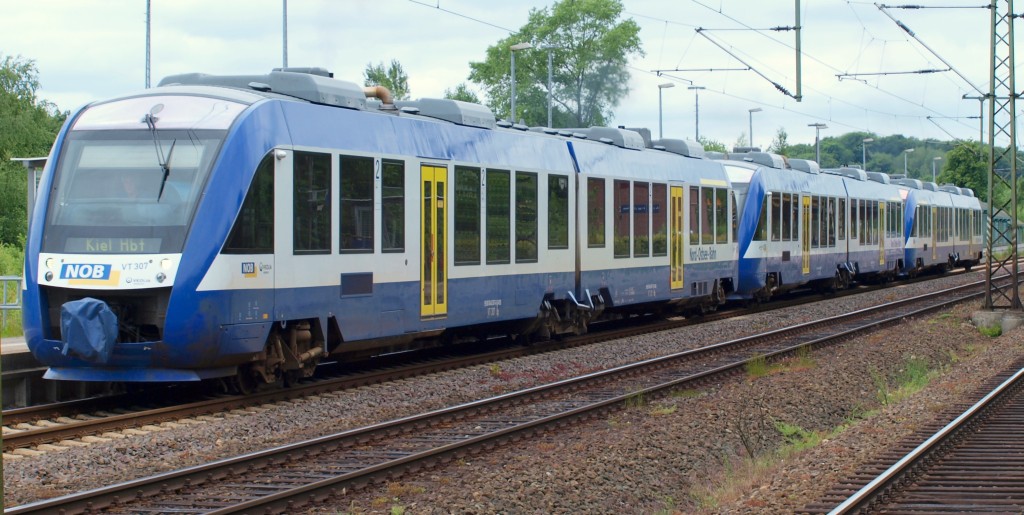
(1002, 125)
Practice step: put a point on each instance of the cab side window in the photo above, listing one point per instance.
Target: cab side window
(253, 232)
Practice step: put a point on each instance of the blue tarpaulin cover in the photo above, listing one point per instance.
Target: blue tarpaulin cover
(89, 329)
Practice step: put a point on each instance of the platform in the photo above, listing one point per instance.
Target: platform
(13, 345)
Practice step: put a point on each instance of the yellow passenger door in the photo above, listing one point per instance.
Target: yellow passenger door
(676, 257)
(806, 244)
(433, 277)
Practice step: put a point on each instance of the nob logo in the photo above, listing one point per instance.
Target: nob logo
(249, 269)
(85, 271)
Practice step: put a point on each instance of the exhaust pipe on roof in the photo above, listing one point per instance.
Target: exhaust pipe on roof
(379, 92)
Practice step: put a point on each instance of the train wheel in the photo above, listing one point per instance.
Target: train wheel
(292, 377)
(243, 382)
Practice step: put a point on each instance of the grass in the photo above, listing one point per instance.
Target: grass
(757, 367)
(663, 410)
(740, 476)
(686, 393)
(636, 400)
(991, 331)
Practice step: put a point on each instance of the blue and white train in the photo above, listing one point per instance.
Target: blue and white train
(250, 227)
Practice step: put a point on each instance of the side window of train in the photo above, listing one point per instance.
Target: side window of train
(467, 215)
(853, 219)
(659, 219)
(862, 217)
(777, 214)
(721, 216)
(694, 215)
(794, 216)
(641, 219)
(761, 233)
(831, 221)
(842, 219)
(815, 221)
(595, 212)
(734, 217)
(392, 217)
(526, 217)
(253, 232)
(499, 209)
(782, 225)
(311, 201)
(707, 216)
(356, 213)
(623, 208)
(558, 211)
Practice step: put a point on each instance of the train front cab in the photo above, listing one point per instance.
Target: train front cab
(793, 232)
(111, 230)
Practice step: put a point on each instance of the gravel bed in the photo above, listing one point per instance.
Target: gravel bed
(664, 456)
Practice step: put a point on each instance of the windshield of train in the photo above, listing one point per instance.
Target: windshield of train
(129, 183)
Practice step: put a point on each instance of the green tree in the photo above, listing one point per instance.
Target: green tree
(780, 144)
(590, 47)
(463, 93)
(711, 145)
(393, 77)
(28, 126)
(967, 166)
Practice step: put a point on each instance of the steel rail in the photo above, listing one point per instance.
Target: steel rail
(171, 409)
(935, 445)
(456, 431)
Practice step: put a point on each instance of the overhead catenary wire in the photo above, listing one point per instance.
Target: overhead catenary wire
(761, 32)
(841, 76)
(933, 52)
(778, 86)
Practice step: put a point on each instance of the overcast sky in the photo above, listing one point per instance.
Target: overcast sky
(90, 49)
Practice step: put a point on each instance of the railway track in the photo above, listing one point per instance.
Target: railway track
(38, 429)
(291, 477)
(972, 464)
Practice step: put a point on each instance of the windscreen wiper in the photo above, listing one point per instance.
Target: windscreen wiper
(166, 166)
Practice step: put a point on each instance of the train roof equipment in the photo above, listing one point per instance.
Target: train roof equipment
(805, 165)
(622, 138)
(682, 147)
(765, 159)
(850, 173)
(879, 177)
(317, 87)
(455, 111)
(915, 184)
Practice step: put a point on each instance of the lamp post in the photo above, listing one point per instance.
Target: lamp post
(864, 153)
(696, 111)
(817, 141)
(549, 48)
(750, 114)
(662, 87)
(934, 160)
(905, 153)
(513, 49)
